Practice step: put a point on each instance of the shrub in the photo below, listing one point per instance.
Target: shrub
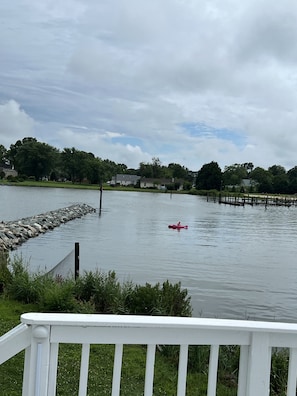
(5, 275)
(58, 297)
(145, 300)
(94, 292)
(174, 301)
(103, 290)
(22, 286)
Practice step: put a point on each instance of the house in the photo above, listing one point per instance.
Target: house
(247, 184)
(124, 180)
(159, 184)
(8, 171)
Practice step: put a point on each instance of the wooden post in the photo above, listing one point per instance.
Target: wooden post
(76, 260)
(100, 205)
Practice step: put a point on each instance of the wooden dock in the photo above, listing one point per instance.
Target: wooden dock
(254, 200)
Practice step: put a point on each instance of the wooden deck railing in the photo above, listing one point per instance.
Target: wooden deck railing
(40, 334)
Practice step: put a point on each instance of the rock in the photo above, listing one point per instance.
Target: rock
(14, 233)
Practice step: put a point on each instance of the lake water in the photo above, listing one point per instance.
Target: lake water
(236, 262)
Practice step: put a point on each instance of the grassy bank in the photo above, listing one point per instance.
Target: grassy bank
(82, 186)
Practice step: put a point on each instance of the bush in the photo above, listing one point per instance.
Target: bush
(94, 292)
(174, 301)
(23, 286)
(12, 179)
(145, 300)
(103, 290)
(58, 297)
(5, 275)
(169, 300)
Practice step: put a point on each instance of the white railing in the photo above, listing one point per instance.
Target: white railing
(40, 334)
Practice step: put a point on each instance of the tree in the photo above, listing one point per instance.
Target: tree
(209, 177)
(292, 180)
(3, 154)
(264, 180)
(234, 174)
(12, 152)
(178, 171)
(156, 167)
(280, 181)
(145, 170)
(277, 170)
(33, 158)
(73, 162)
(93, 169)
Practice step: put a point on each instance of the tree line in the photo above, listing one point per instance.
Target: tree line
(274, 180)
(38, 160)
(31, 158)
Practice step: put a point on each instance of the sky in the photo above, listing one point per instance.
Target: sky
(185, 81)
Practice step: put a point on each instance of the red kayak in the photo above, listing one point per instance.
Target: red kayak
(177, 227)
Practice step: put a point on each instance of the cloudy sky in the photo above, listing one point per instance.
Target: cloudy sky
(187, 81)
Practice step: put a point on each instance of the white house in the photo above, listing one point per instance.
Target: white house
(124, 180)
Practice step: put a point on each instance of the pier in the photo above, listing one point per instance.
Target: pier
(253, 200)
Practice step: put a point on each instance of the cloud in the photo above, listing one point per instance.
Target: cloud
(14, 123)
(136, 75)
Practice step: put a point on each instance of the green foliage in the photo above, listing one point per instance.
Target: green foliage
(23, 286)
(103, 290)
(144, 300)
(33, 158)
(174, 300)
(168, 300)
(94, 292)
(5, 275)
(209, 177)
(279, 372)
(58, 296)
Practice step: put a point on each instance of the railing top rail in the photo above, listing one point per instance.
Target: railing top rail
(134, 321)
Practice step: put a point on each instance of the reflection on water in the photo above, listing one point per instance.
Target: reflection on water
(236, 262)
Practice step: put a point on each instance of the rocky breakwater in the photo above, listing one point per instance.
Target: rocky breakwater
(14, 233)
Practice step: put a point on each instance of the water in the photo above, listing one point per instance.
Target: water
(236, 262)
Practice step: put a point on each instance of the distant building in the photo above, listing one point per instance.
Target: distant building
(8, 171)
(159, 184)
(124, 180)
(247, 184)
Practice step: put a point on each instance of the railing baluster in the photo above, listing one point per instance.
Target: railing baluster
(213, 370)
(291, 388)
(39, 361)
(149, 370)
(259, 365)
(53, 363)
(26, 374)
(182, 370)
(84, 370)
(243, 368)
(117, 369)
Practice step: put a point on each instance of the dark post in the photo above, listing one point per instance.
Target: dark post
(100, 205)
(76, 261)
